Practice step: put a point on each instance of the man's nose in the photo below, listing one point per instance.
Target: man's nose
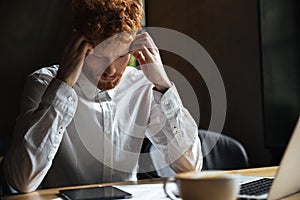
(110, 70)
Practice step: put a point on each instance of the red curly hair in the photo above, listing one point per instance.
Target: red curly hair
(100, 19)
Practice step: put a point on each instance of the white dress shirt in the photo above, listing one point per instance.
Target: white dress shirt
(80, 135)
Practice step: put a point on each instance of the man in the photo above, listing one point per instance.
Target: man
(84, 121)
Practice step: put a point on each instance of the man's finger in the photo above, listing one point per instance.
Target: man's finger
(138, 45)
(84, 46)
(80, 40)
(139, 56)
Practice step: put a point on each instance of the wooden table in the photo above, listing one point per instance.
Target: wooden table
(53, 193)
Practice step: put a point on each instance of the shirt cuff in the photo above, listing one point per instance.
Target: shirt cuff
(171, 106)
(170, 101)
(63, 98)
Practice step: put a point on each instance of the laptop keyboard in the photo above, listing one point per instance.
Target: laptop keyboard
(257, 187)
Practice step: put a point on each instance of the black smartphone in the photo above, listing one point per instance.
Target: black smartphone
(95, 193)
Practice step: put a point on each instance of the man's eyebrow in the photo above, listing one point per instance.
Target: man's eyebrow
(97, 56)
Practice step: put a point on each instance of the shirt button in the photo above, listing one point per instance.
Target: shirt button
(70, 98)
(60, 130)
(175, 130)
(166, 102)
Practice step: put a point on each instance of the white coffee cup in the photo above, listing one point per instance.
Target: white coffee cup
(205, 186)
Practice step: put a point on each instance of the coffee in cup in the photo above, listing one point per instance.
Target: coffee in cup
(204, 186)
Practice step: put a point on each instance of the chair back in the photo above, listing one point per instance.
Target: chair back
(226, 154)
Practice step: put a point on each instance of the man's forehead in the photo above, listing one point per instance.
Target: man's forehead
(116, 45)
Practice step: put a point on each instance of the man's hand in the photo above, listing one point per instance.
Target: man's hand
(147, 54)
(73, 57)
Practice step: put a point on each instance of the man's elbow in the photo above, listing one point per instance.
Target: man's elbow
(21, 188)
(16, 184)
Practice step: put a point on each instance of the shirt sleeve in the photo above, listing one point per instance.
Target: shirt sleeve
(47, 107)
(174, 132)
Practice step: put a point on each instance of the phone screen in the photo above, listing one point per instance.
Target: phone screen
(106, 192)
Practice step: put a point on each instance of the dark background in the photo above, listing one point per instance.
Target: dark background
(254, 43)
(280, 41)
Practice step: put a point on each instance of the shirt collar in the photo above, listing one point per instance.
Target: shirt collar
(89, 89)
